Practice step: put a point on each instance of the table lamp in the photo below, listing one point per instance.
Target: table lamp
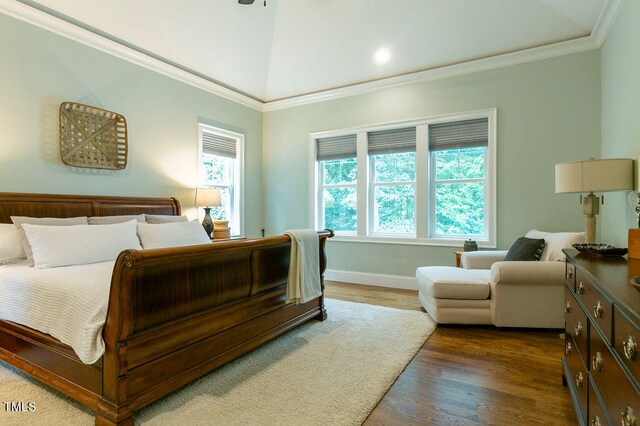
(589, 176)
(207, 198)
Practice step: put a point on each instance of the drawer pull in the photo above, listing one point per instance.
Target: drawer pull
(596, 361)
(567, 307)
(596, 421)
(598, 311)
(628, 418)
(580, 288)
(568, 348)
(580, 380)
(578, 329)
(570, 274)
(629, 347)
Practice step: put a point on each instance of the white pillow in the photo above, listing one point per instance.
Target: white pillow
(174, 234)
(50, 221)
(556, 241)
(164, 218)
(108, 220)
(11, 249)
(55, 246)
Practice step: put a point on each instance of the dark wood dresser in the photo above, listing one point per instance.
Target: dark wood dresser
(602, 340)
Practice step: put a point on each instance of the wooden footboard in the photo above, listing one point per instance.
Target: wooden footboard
(176, 314)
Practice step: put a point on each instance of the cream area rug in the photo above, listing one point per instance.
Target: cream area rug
(332, 372)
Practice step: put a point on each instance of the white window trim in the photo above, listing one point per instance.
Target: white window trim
(422, 184)
(237, 181)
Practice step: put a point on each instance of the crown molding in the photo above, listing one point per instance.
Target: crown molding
(606, 20)
(492, 62)
(58, 26)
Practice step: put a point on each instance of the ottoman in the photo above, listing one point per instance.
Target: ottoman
(455, 295)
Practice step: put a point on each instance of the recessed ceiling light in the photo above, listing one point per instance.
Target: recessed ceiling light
(382, 55)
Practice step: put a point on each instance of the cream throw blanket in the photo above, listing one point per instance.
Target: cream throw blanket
(303, 283)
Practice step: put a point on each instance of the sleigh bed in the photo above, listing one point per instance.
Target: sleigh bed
(173, 314)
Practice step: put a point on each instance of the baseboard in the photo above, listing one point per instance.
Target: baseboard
(381, 280)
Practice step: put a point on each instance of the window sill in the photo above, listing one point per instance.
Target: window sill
(410, 241)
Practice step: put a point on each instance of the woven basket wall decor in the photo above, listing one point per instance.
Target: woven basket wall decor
(92, 137)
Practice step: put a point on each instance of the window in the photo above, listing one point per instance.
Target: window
(338, 182)
(458, 158)
(392, 162)
(430, 181)
(221, 167)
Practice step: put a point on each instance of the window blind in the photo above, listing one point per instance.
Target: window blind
(392, 141)
(459, 134)
(337, 147)
(215, 144)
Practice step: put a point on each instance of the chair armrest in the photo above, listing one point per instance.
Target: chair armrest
(481, 259)
(528, 273)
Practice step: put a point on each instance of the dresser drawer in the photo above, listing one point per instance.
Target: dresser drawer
(578, 374)
(627, 343)
(597, 416)
(576, 323)
(618, 394)
(570, 276)
(598, 306)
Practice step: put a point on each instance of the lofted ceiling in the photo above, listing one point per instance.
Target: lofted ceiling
(295, 47)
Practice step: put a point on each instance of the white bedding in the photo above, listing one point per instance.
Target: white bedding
(68, 303)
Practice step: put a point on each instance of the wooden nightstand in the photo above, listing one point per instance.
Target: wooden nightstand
(458, 257)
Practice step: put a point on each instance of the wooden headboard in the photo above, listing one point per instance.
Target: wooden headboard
(53, 205)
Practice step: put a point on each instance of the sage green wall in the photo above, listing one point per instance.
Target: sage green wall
(548, 112)
(621, 115)
(39, 70)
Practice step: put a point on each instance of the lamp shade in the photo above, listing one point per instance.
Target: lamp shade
(611, 174)
(207, 197)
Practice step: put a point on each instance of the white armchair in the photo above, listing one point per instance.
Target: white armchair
(523, 294)
(481, 259)
(489, 290)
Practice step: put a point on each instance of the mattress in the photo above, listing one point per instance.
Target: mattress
(68, 303)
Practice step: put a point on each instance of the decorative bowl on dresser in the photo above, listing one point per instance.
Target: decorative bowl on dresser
(602, 330)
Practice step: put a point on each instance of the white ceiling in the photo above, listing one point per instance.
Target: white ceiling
(296, 47)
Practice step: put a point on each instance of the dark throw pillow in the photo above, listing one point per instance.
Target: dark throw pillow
(526, 249)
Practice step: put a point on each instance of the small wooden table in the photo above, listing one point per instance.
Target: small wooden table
(458, 258)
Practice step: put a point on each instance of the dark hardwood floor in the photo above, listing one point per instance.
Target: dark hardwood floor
(471, 375)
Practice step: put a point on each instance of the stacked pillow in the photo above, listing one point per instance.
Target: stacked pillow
(161, 218)
(140, 218)
(174, 234)
(108, 220)
(527, 249)
(555, 242)
(19, 221)
(545, 246)
(11, 249)
(54, 246)
(54, 242)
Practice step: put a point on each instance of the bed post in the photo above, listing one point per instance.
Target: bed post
(323, 267)
(113, 409)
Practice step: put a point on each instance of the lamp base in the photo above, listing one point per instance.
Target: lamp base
(207, 223)
(590, 208)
